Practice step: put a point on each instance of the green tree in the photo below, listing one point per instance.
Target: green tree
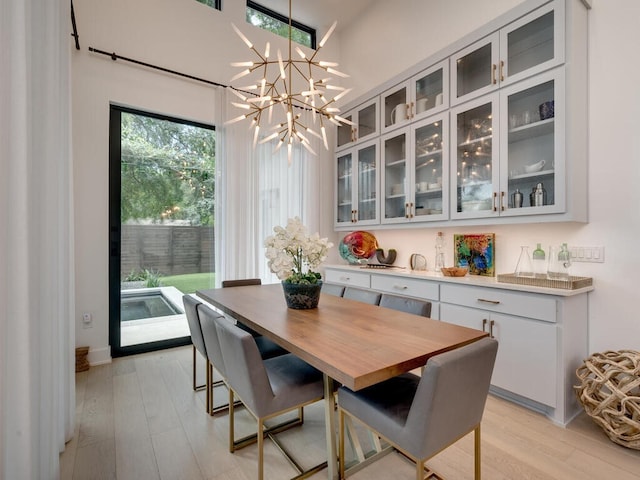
(167, 170)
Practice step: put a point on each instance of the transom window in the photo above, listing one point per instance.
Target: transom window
(211, 3)
(274, 22)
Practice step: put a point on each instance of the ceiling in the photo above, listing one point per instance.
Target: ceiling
(319, 13)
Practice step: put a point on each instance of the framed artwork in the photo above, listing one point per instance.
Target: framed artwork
(475, 251)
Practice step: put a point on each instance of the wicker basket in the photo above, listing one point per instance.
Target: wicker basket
(82, 362)
(610, 394)
(572, 284)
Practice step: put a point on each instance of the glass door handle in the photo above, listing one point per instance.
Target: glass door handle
(502, 70)
(494, 67)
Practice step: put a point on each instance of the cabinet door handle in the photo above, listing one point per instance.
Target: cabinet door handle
(495, 197)
(406, 210)
(408, 114)
(502, 201)
(492, 302)
(410, 210)
(411, 114)
(494, 67)
(484, 324)
(491, 324)
(502, 70)
(354, 134)
(400, 287)
(345, 279)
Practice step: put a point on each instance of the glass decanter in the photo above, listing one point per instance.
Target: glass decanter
(524, 268)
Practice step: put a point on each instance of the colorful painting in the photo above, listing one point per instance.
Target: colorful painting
(476, 252)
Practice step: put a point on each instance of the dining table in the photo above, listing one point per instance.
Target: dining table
(350, 342)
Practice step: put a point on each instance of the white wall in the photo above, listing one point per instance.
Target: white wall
(614, 160)
(189, 37)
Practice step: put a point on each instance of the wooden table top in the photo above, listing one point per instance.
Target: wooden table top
(354, 343)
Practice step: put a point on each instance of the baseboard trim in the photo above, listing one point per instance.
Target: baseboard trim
(99, 356)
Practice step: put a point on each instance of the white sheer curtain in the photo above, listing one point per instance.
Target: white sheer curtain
(256, 190)
(37, 388)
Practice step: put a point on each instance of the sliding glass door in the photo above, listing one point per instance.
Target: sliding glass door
(162, 182)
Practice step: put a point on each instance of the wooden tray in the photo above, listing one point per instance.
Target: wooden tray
(573, 283)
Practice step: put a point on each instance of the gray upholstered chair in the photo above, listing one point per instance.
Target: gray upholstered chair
(333, 289)
(421, 416)
(267, 388)
(214, 352)
(197, 341)
(362, 295)
(267, 348)
(405, 304)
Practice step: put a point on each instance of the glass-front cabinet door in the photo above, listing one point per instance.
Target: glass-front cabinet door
(357, 185)
(474, 178)
(395, 105)
(365, 119)
(532, 164)
(345, 211)
(474, 70)
(395, 181)
(430, 168)
(532, 44)
(430, 91)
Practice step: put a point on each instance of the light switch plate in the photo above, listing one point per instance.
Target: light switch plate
(587, 254)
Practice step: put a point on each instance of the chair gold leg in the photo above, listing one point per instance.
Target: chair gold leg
(341, 444)
(231, 422)
(193, 347)
(476, 453)
(260, 449)
(419, 470)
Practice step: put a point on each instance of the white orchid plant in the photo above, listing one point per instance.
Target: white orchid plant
(293, 254)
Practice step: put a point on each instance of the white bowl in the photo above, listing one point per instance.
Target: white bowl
(535, 167)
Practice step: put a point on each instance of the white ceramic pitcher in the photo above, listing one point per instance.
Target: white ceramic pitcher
(399, 113)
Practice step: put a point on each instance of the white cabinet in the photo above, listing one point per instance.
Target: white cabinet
(357, 180)
(415, 166)
(525, 47)
(511, 101)
(507, 144)
(424, 94)
(531, 372)
(542, 332)
(366, 121)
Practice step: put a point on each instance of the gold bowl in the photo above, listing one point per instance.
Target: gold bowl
(454, 271)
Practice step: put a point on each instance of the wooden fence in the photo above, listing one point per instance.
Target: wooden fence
(168, 249)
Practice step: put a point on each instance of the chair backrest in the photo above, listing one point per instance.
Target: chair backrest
(404, 304)
(245, 370)
(208, 318)
(361, 295)
(243, 282)
(191, 311)
(333, 289)
(450, 398)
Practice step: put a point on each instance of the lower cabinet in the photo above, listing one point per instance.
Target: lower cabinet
(526, 360)
(542, 333)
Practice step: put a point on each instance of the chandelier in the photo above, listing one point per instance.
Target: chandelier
(284, 88)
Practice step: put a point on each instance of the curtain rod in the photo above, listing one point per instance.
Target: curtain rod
(115, 57)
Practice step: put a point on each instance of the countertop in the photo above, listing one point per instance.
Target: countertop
(471, 280)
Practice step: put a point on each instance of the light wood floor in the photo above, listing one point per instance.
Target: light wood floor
(138, 418)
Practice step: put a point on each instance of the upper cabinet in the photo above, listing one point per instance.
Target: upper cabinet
(422, 95)
(365, 119)
(490, 130)
(357, 181)
(525, 47)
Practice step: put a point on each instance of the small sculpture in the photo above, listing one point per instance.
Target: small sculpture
(388, 260)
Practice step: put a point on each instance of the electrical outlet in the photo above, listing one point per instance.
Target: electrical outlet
(587, 254)
(87, 320)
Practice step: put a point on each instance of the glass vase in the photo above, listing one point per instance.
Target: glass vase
(524, 268)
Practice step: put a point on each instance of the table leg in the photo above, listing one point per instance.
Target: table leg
(330, 427)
